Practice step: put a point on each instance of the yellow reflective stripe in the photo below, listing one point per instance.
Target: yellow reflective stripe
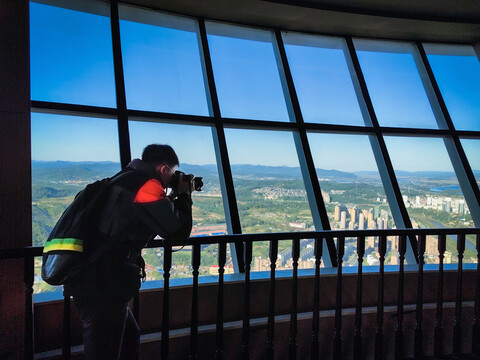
(64, 244)
(78, 248)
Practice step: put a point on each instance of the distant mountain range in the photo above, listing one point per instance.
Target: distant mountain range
(68, 170)
(52, 170)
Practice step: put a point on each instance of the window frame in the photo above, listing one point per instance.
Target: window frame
(297, 125)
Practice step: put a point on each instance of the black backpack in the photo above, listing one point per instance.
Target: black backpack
(68, 248)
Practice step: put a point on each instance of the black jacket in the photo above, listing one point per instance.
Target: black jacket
(136, 210)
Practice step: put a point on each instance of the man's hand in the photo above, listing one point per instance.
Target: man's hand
(185, 184)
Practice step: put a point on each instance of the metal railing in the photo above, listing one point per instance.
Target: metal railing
(320, 237)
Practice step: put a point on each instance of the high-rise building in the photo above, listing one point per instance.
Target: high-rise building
(361, 221)
(447, 205)
(326, 197)
(370, 242)
(380, 223)
(353, 214)
(431, 245)
(370, 216)
(337, 213)
(343, 219)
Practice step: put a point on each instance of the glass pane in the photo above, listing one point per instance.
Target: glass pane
(457, 71)
(472, 150)
(194, 147)
(430, 189)
(246, 73)
(395, 85)
(68, 153)
(351, 187)
(161, 60)
(322, 79)
(269, 187)
(71, 55)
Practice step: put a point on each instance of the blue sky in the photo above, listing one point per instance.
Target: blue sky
(72, 62)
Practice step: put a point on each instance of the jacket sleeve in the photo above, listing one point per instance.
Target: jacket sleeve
(167, 218)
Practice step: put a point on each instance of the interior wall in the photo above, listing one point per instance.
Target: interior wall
(15, 184)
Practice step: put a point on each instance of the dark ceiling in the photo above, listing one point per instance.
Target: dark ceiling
(432, 20)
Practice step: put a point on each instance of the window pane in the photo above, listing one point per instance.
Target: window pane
(161, 60)
(246, 73)
(68, 153)
(322, 79)
(352, 189)
(430, 189)
(270, 191)
(395, 85)
(194, 147)
(457, 71)
(71, 55)
(472, 150)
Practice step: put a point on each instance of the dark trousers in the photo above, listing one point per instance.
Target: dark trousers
(110, 331)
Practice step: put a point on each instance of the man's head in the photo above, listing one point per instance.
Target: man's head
(163, 159)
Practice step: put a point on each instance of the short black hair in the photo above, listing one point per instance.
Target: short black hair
(157, 154)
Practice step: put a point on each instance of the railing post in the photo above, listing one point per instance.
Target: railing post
(28, 275)
(357, 336)
(457, 328)
(271, 303)
(292, 344)
(418, 342)
(222, 255)
(438, 337)
(194, 325)
(245, 355)
(382, 249)
(66, 327)
(476, 319)
(316, 300)
(167, 265)
(399, 327)
(337, 340)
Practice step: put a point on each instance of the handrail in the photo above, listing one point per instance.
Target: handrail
(30, 251)
(320, 237)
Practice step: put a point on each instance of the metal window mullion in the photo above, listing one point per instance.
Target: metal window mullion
(123, 133)
(232, 216)
(307, 166)
(457, 155)
(384, 163)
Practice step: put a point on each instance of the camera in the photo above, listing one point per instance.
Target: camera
(197, 181)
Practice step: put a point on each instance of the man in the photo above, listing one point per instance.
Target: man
(136, 210)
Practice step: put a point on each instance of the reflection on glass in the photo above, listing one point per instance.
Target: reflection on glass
(246, 73)
(71, 55)
(194, 147)
(68, 153)
(394, 84)
(322, 79)
(457, 71)
(161, 60)
(472, 150)
(351, 188)
(430, 189)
